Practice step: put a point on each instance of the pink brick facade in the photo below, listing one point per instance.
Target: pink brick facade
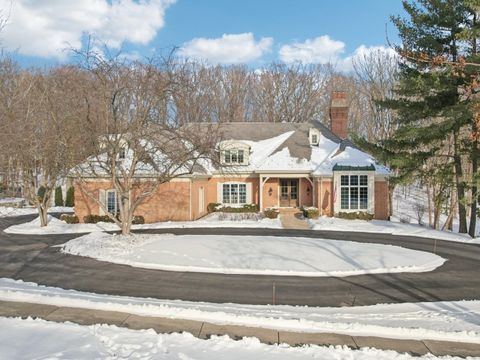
(187, 199)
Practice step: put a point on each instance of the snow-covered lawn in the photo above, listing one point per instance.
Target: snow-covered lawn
(55, 226)
(6, 211)
(449, 321)
(251, 254)
(38, 339)
(387, 227)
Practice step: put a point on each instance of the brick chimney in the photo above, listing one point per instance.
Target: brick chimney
(339, 114)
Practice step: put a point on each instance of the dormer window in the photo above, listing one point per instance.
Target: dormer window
(314, 136)
(234, 156)
(234, 152)
(122, 153)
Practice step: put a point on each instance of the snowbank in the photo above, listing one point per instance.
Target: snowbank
(387, 227)
(264, 255)
(448, 321)
(7, 211)
(28, 339)
(56, 226)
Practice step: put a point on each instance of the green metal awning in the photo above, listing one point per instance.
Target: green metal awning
(337, 167)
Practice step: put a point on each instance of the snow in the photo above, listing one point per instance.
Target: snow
(56, 226)
(7, 211)
(265, 255)
(447, 321)
(11, 200)
(28, 339)
(387, 227)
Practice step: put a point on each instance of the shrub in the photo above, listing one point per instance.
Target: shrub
(212, 207)
(138, 220)
(271, 213)
(41, 192)
(93, 219)
(58, 196)
(359, 215)
(70, 198)
(69, 218)
(310, 212)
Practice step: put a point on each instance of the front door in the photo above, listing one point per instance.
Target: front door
(288, 192)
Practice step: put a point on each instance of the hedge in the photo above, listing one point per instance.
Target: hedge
(69, 219)
(359, 215)
(93, 219)
(271, 213)
(310, 212)
(212, 207)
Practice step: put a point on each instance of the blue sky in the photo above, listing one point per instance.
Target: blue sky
(226, 32)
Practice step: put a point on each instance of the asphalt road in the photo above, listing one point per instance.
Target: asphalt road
(32, 258)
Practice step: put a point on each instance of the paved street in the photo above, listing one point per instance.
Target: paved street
(32, 258)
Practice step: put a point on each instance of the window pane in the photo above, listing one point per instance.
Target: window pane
(344, 198)
(226, 193)
(354, 180)
(234, 193)
(240, 156)
(344, 180)
(242, 189)
(227, 157)
(364, 198)
(314, 139)
(363, 180)
(353, 198)
(234, 156)
(111, 202)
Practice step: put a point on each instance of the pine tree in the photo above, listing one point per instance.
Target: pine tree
(58, 196)
(70, 198)
(431, 112)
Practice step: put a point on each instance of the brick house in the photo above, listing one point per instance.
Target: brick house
(271, 165)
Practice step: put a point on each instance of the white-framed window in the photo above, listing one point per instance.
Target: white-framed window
(234, 193)
(234, 156)
(112, 202)
(354, 192)
(314, 139)
(122, 153)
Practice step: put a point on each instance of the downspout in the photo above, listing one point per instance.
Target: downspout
(190, 202)
(321, 195)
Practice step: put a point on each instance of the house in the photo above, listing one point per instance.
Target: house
(280, 165)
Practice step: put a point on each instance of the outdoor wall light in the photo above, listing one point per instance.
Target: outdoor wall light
(270, 191)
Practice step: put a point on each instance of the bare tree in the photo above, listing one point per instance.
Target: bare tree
(144, 143)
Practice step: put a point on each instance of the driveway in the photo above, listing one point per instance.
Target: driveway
(32, 258)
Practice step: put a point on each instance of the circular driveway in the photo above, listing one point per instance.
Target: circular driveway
(34, 258)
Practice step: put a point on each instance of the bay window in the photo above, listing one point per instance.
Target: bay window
(354, 192)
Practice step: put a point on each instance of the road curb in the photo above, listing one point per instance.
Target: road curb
(205, 330)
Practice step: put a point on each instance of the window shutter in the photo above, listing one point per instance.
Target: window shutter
(249, 193)
(220, 193)
(102, 197)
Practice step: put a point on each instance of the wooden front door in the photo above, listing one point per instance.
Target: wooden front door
(288, 192)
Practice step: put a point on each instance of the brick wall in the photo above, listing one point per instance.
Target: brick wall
(381, 200)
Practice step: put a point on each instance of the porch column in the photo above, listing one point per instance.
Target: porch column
(260, 192)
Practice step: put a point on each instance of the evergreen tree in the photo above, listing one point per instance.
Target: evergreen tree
(70, 197)
(58, 196)
(432, 113)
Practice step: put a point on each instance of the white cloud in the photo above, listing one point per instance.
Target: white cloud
(320, 50)
(323, 50)
(229, 49)
(45, 28)
(363, 52)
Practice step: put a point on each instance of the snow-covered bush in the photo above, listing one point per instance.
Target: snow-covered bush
(271, 213)
(310, 212)
(69, 219)
(359, 215)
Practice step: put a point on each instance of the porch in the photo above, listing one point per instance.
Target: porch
(286, 191)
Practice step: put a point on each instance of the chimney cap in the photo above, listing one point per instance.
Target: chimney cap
(339, 99)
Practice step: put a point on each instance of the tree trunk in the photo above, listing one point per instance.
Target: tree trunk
(460, 184)
(473, 206)
(43, 213)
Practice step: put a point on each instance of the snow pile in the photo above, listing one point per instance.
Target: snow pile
(387, 227)
(448, 321)
(56, 226)
(266, 255)
(8, 211)
(71, 341)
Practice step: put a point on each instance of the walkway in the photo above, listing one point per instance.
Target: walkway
(204, 330)
(292, 219)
